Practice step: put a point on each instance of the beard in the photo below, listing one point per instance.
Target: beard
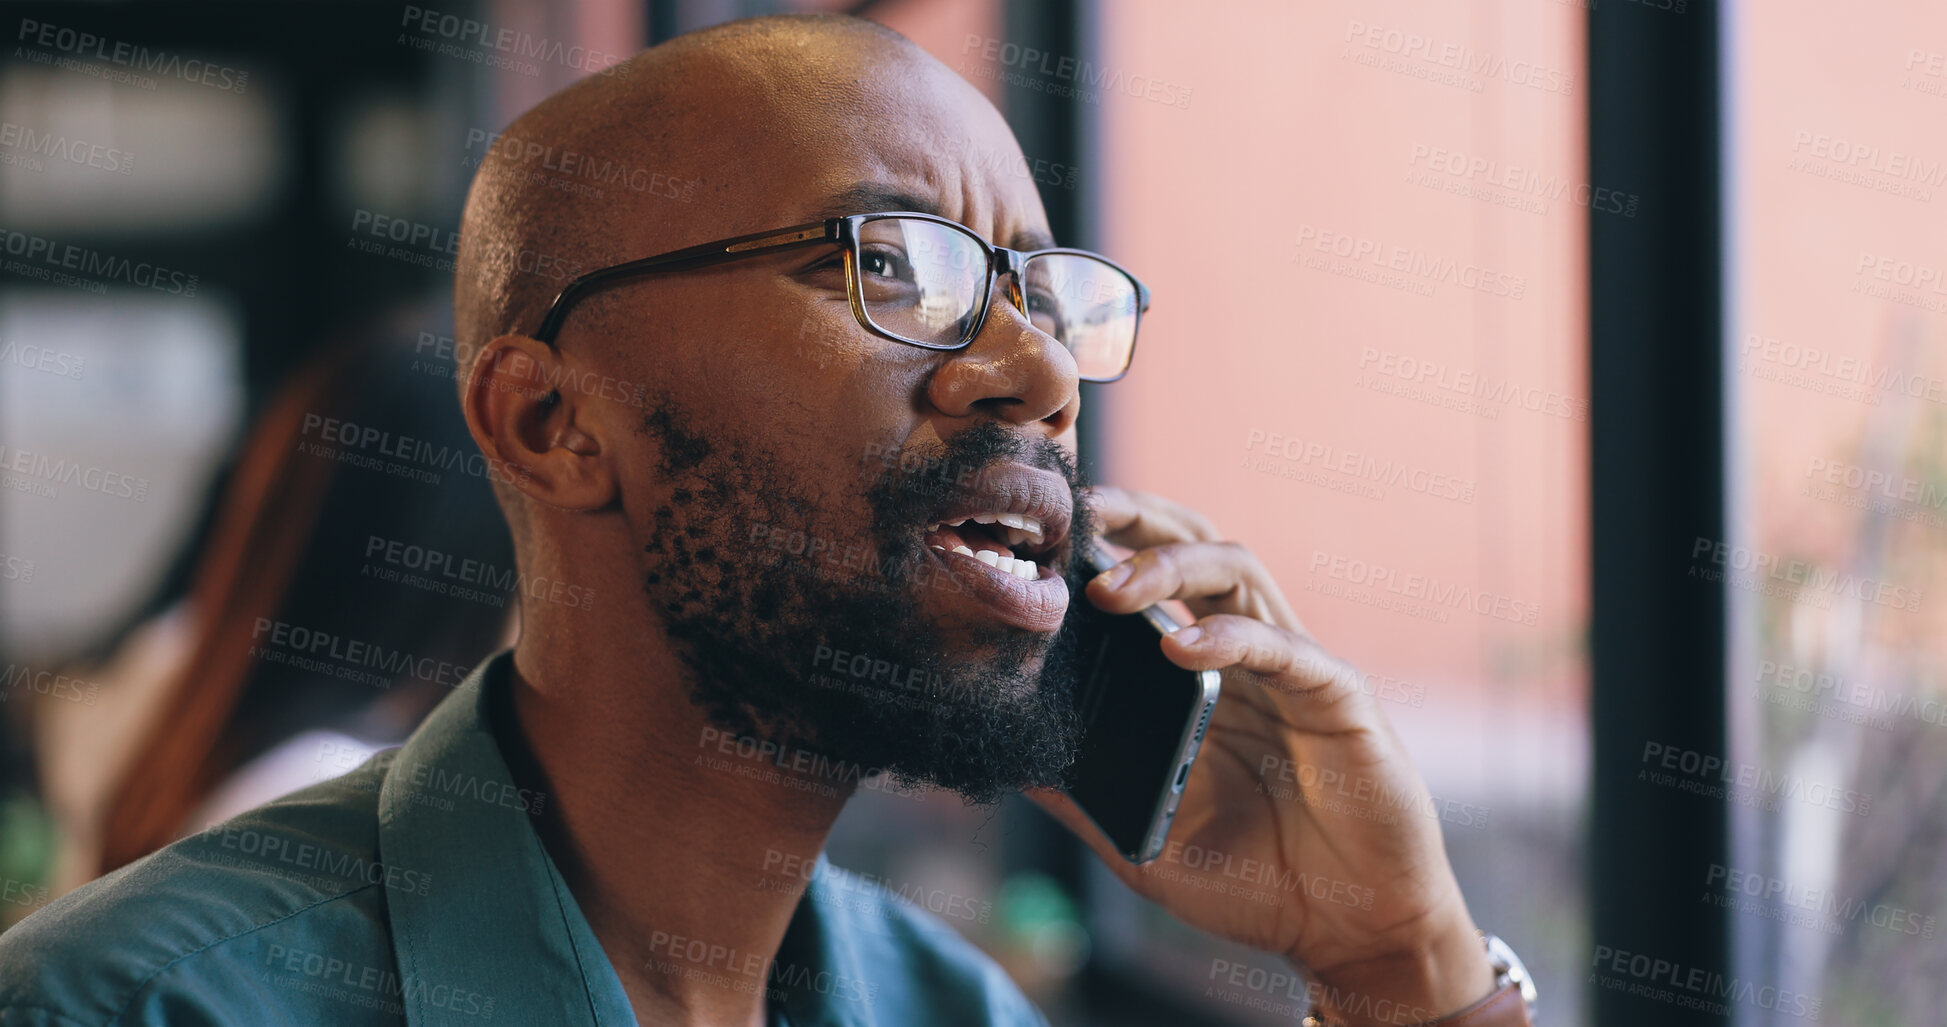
(809, 632)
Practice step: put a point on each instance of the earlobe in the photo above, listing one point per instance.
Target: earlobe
(550, 447)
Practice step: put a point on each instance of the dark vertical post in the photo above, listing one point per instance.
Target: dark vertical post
(1049, 128)
(661, 21)
(669, 18)
(1060, 130)
(1657, 431)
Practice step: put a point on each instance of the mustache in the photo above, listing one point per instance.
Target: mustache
(907, 484)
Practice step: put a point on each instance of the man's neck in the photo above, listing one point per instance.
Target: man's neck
(680, 846)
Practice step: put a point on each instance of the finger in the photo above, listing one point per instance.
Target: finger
(1140, 519)
(1225, 574)
(1322, 691)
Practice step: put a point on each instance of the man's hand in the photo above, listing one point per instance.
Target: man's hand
(1301, 775)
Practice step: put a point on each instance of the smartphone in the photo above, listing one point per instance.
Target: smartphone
(1143, 719)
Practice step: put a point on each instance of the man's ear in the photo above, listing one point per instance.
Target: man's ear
(538, 438)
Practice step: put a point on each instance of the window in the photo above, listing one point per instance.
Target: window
(1365, 227)
(1837, 332)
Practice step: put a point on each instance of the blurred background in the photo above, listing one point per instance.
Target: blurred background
(1624, 317)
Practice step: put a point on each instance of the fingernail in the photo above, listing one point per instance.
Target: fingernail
(1115, 576)
(1187, 636)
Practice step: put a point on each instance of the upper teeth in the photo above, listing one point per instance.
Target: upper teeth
(1017, 528)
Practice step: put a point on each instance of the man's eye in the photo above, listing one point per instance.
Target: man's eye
(884, 264)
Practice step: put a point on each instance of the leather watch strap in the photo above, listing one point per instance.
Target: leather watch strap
(1504, 1008)
(1510, 1004)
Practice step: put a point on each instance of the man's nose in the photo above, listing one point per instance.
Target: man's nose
(1012, 369)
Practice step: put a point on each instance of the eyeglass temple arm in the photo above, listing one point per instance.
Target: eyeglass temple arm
(691, 258)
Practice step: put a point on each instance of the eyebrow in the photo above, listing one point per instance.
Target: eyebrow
(866, 198)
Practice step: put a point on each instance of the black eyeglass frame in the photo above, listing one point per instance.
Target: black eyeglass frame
(843, 231)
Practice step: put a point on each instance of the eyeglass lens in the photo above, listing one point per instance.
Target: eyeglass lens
(924, 282)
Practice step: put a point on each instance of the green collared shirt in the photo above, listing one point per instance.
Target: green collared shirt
(414, 890)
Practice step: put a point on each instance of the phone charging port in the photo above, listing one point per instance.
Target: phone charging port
(1182, 775)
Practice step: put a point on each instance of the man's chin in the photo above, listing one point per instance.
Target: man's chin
(1000, 668)
(978, 707)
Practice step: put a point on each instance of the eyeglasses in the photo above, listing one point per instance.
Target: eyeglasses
(926, 281)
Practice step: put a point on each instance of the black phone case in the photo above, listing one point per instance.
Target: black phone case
(1143, 722)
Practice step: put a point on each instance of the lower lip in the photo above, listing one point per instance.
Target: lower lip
(1037, 605)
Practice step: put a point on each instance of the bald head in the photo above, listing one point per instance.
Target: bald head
(672, 148)
(744, 127)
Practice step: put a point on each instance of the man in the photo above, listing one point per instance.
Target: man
(756, 454)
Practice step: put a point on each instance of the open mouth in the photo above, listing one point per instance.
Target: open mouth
(1014, 524)
(1011, 543)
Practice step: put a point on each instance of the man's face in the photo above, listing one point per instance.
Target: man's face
(799, 486)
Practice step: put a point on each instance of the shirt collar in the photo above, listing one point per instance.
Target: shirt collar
(498, 924)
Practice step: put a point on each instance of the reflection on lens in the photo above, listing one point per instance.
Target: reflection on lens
(920, 280)
(1087, 305)
(924, 282)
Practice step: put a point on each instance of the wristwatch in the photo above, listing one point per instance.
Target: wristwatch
(1510, 1004)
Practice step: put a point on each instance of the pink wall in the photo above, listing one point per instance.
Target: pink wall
(1291, 132)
